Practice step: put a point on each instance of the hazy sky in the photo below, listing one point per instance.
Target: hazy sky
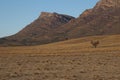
(16, 14)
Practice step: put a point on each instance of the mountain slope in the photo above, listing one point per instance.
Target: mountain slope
(108, 44)
(41, 31)
(103, 19)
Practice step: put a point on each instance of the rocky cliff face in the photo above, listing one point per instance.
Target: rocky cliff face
(103, 19)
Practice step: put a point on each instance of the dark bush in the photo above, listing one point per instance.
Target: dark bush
(95, 43)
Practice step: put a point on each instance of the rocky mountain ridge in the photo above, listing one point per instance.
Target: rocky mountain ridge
(103, 19)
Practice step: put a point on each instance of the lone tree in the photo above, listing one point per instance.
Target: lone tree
(95, 43)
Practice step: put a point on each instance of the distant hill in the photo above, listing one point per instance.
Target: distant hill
(103, 19)
(108, 44)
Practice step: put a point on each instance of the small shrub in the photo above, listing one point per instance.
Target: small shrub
(95, 43)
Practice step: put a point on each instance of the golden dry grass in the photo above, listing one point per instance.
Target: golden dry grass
(108, 43)
(80, 60)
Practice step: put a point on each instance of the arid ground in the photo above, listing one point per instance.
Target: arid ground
(68, 60)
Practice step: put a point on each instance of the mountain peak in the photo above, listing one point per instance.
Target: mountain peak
(47, 14)
(103, 19)
(54, 15)
(106, 4)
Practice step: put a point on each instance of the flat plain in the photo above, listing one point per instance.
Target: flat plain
(74, 59)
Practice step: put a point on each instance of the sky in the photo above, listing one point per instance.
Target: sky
(16, 14)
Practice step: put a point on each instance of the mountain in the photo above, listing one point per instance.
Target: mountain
(103, 19)
(40, 31)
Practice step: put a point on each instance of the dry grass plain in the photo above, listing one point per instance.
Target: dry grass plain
(74, 59)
